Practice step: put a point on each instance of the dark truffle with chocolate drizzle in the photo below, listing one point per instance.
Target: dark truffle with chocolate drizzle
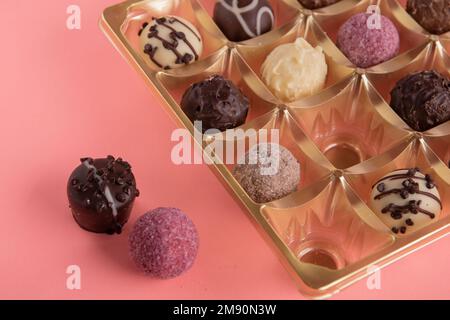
(241, 20)
(433, 16)
(317, 4)
(422, 99)
(216, 102)
(406, 200)
(101, 194)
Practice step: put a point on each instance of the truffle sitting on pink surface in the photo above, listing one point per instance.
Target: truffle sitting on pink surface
(164, 243)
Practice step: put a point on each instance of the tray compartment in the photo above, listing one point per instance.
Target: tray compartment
(430, 57)
(409, 40)
(347, 128)
(190, 10)
(325, 230)
(303, 27)
(441, 147)
(313, 166)
(284, 13)
(228, 64)
(414, 154)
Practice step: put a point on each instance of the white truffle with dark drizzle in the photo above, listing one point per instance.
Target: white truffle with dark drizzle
(170, 42)
(406, 200)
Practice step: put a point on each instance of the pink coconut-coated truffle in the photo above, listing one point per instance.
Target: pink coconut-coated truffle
(367, 46)
(164, 243)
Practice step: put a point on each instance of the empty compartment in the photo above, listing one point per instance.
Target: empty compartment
(347, 128)
(323, 229)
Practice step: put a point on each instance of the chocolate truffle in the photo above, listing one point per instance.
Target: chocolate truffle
(170, 42)
(422, 99)
(101, 194)
(317, 4)
(268, 172)
(406, 200)
(164, 243)
(241, 20)
(216, 102)
(364, 46)
(295, 70)
(433, 16)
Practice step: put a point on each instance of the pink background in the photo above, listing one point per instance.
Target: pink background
(66, 94)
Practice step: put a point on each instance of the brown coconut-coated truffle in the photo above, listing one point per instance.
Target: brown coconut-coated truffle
(269, 172)
(101, 194)
(433, 16)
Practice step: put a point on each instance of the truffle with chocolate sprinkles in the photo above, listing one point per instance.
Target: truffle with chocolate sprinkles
(422, 99)
(406, 200)
(101, 194)
(217, 102)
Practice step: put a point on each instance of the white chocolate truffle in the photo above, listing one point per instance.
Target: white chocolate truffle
(406, 200)
(170, 42)
(295, 70)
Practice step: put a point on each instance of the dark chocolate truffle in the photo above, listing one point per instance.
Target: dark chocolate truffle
(316, 4)
(101, 194)
(241, 20)
(422, 99)
(433, 16)
(216, 102)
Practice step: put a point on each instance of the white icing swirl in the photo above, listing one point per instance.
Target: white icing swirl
(106, 192)
(234, 8)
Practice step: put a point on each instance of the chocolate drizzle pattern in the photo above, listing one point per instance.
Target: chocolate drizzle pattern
(172, 43)
(240, 20)
(101, 192)
(103, 186)
(409, 187)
